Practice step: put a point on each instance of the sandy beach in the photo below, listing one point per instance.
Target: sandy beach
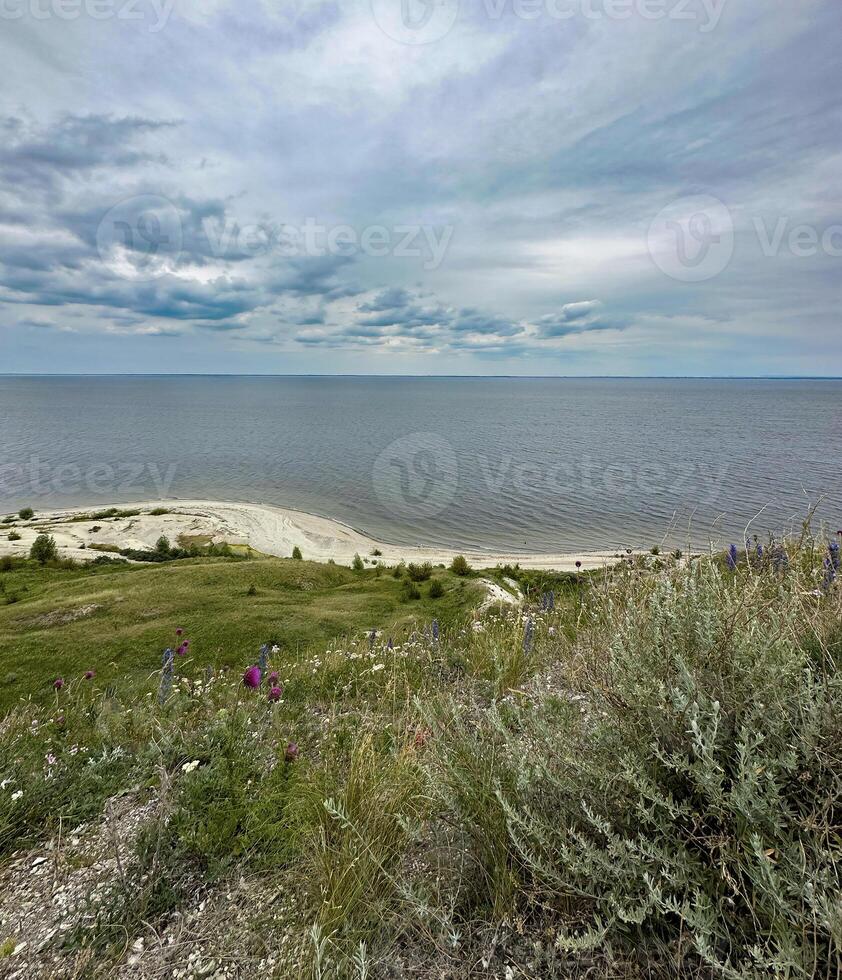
(269, 530)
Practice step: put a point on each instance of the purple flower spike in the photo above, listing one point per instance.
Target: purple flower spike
(731, 557)
(251, 678)
(58, 683)
(275, 693)
(291, 752)
(89, 675)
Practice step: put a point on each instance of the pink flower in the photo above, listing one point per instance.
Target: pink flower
(273, 677)
(58, 683)
(291, 752)
(275, 693)
(179, 631)
(251, 678)
(181, 650)
(89, 675)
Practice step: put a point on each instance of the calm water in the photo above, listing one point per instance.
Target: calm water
(528, 464)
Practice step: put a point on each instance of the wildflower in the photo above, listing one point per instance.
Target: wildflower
(179, 631)
(18, 793)
(377, 667)
(833, 549)
(167, 668)
(436, 630)
(181, 650)
(421, 737)
(251, 678)
(390, 645)
(760, 551)
(261, 660)
(275, 693)
(579, 564)
(528, 635)
(273, 678)
(372, 636)
(58, 683)
(190, 766)
(89, 675)
(291, 752)
(731, 557)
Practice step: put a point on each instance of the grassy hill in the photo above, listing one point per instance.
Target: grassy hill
(116, 619)
(640, 776)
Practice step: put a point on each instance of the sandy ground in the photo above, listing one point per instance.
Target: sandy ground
(271, 530)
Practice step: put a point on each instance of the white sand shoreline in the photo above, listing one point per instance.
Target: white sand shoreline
(265, 528)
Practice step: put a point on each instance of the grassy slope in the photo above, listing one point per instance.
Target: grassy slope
(302, 605)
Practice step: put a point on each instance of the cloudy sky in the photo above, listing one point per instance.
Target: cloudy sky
(406, 186)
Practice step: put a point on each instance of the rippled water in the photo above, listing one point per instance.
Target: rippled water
(530, 464)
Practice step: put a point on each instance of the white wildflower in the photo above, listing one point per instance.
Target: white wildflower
(190, 766)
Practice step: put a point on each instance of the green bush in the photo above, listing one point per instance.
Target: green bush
(296, 553)
(436, 589)
(683, 808)
(409, 591)
(26, 513)
(44, 549)
(163, 546)
(14, 536)
(357, 564)
(419, 573)
(460, 566)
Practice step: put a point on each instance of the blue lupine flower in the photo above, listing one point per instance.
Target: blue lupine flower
(829, 574)
(372, 636)
(833, 549)
(167, 669)
(263, 658)
(760, 551)
(435, 631)
(390, 645)
(528, 635)
(731, 557)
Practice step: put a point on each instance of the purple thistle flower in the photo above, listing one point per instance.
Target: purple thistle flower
(58, 683)
(579, 564)
(275, 693)
(89, 675)
(731, 557)
(181, 650)
(251, 678)
(179, 631)
(273, 677)
(291, 752)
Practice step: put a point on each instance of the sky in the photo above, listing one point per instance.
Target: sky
(527, 187)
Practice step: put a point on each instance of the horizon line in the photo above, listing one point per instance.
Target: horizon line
(461, 377)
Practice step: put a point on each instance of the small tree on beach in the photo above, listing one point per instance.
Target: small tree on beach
(460, 566)
(26, 513)
(296, 553)
(357, 564)
(44, 549)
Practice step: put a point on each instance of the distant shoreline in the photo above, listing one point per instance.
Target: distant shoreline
(265, 528)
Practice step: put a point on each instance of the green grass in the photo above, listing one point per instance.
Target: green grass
(116, 619)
